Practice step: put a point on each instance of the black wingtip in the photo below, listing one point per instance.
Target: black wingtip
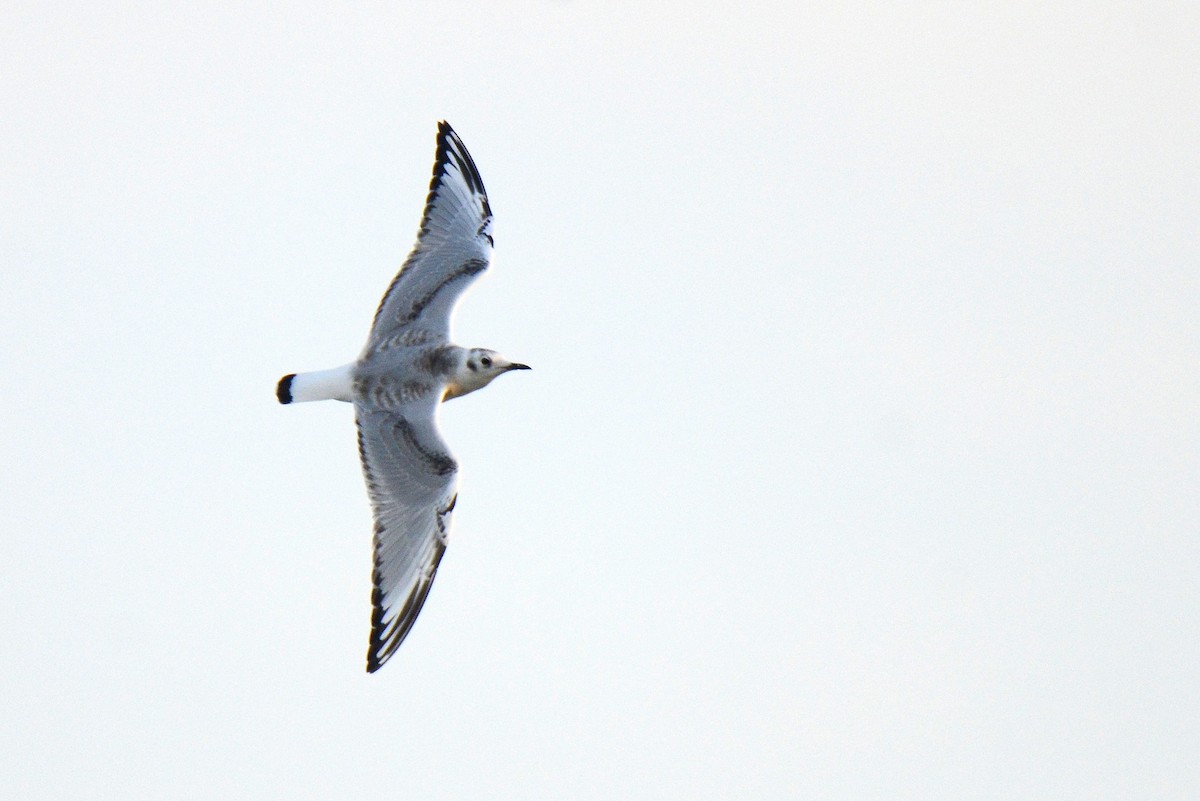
(385, 639)
(450, 148)
(284, 390)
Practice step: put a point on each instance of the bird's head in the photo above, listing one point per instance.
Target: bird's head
(478, 370)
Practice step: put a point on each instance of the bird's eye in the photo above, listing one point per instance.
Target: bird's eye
(486, 361)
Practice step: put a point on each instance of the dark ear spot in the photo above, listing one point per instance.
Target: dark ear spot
(471, 365)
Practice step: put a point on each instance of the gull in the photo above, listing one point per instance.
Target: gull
(408, 367)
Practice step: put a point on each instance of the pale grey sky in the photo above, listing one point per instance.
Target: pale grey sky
(860, 458)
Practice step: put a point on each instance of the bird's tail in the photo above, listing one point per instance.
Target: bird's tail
(334, 384)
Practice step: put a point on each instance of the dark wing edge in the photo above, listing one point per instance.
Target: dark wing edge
(450, 151)
(386, 637)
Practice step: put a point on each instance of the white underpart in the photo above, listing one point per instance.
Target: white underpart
(333, 384)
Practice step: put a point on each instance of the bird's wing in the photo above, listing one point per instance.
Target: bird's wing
(454, 245)
(412, 480)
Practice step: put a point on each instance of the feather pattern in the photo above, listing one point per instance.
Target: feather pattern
(408, 366)
(411, 476)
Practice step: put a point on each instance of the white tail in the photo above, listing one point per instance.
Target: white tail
(334, 384)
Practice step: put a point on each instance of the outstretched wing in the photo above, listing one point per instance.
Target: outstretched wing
(411, 480)
(454, 245)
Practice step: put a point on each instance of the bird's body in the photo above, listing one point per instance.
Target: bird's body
(408, 367)
(398, 375)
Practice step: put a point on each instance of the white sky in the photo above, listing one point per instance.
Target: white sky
(860, 458)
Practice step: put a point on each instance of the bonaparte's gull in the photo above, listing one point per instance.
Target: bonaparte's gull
(407, 368)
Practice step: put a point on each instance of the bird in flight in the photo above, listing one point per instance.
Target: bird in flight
(408, 367)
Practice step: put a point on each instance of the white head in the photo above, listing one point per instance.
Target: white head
(479, 367)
